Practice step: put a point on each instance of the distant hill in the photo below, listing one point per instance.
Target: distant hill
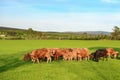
(29, 34)
(9, 28)
(91, 32)
(80, 32)
(98, 32)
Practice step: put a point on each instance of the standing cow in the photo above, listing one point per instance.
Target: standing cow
(112, 52)
(82, 53)
(100, 53)
(39, 54)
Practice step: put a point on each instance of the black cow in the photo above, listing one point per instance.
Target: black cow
(100, 53)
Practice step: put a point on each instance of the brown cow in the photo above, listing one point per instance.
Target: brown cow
(112, 52)
(73, 54)
(65, 53)
(35, 55)
(49, 54)
(57, 52)
(82, 53)
(39, 54)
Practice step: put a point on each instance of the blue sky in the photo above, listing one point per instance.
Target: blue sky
(60, 15)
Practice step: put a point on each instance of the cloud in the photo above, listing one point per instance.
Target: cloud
(111, 1)
(65, 21)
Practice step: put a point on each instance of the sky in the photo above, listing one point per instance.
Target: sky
(60, 15)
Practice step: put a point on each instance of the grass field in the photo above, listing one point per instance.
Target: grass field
(12, 67)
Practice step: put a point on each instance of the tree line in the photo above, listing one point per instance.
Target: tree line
(30, 34)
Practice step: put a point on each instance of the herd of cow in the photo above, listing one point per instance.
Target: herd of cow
(78, 54)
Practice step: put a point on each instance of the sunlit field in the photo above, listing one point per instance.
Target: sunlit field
(12, 66)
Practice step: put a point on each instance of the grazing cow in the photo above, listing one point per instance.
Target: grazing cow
(73, 54)
(115, 54)
(82, 53)
(35, 55)
(39, 54)
(112, 52)
(49, 54)
(100, 53)
(65, 54)
(57, 53)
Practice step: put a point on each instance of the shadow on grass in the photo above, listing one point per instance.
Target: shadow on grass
(11, 61)
(95, 48)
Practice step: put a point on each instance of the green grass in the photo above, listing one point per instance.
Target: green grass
(12, 67)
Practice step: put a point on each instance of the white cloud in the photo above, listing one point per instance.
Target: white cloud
(65, 21)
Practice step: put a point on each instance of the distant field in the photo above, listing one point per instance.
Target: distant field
(12, 67)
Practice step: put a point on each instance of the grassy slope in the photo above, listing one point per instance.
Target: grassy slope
(13, 68)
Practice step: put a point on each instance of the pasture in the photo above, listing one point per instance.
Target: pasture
(12, 66)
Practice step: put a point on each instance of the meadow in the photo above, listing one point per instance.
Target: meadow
(12, 66)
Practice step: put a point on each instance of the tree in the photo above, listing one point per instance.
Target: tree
(31, 34)
(116, 33)
(30, 30)
(84, 35)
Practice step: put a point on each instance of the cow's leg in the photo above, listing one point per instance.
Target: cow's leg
(103, 57)
(47, 60)
(57, 57)
(97, 59)
(107, 58)
(72, 58)
(80, 58)
(108, 55)
(69, 58)
(88, 57)
(38, 60)
(75, 58)
(33, 60)
(50, 59)
(85, 58)
(64, 58)
(115, 56)
(54, 58)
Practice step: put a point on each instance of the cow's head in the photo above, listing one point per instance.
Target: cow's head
(26, 57)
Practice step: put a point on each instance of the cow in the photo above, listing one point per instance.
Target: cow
(73, 54)
(100, 53)
(40, 54)
(115, 54)
(82, 53)
(65, 54)
(112, 52)
(57, 52)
